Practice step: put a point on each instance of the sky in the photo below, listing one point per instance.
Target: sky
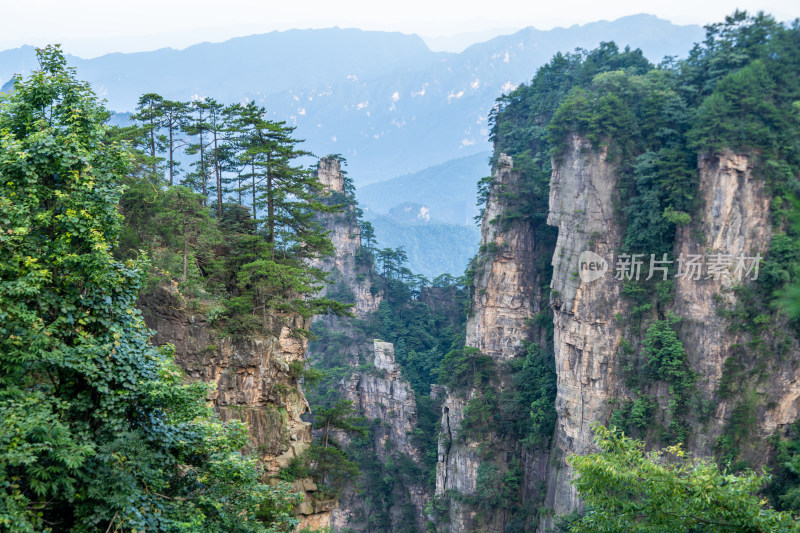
(88, 28)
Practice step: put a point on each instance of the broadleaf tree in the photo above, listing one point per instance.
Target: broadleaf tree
(627, 488)
(98, 430)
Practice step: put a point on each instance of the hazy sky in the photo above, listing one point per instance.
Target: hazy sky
(93, 27)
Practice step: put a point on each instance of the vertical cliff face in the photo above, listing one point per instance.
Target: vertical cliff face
(507, 283)
(735, 221)
(384, 395)
(374, 383)
(253, 382)
(457, 463)
(586, 334)
(346, 275)
(591, 317)
(507, 295)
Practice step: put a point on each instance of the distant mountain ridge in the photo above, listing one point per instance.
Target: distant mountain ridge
(412, 123)
(448, 191)
(433, 247)
(384, 100)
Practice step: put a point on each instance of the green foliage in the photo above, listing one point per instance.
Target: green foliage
(297, 469)
(628, 489)
(251, 248)
(520, 127)
(643, 120)
(328, 464)
(784, 488)
(596, 116)
(667, 360)
(527, 410)
(633, 417)
(466, 367)
(303, 371)
(751, 90)
(497, 491)
(736, 115)
(332, 468)
(736, 431)
(98, 431)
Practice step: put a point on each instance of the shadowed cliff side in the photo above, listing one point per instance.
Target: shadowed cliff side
(477, 458)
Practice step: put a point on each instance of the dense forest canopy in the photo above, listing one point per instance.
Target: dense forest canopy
(238, 228)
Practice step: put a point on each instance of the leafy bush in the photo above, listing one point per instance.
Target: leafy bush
(667, 360)
(628, 489)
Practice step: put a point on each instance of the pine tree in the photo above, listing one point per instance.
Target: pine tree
(216, 130)
(183, 216)
(149, 113)
(173, 120)
(197, 126)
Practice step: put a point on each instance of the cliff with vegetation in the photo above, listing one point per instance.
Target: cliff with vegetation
(390, 490)
(678, 179)
(348, 267)
(637, 271)
(112, 430)
(622, 353)
(492, 454)
(234, 278)
(255, 380)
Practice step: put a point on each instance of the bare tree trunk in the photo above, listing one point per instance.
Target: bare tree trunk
(185, 250)
(203, 164)
(171, 150)
(270, 211)
(253, 170)
(153, 139)
(219, 178)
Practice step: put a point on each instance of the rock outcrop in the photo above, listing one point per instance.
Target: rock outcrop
(591, 317)
(382, 395)
(374, 384)
(507, 295)
(348, 280)
(253, 382)
(457, 464)
(507, 282)
(583, 196)
(734, 224)
(385, 395)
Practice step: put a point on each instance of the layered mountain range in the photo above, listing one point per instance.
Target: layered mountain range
(390, 105)
(384, 100)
